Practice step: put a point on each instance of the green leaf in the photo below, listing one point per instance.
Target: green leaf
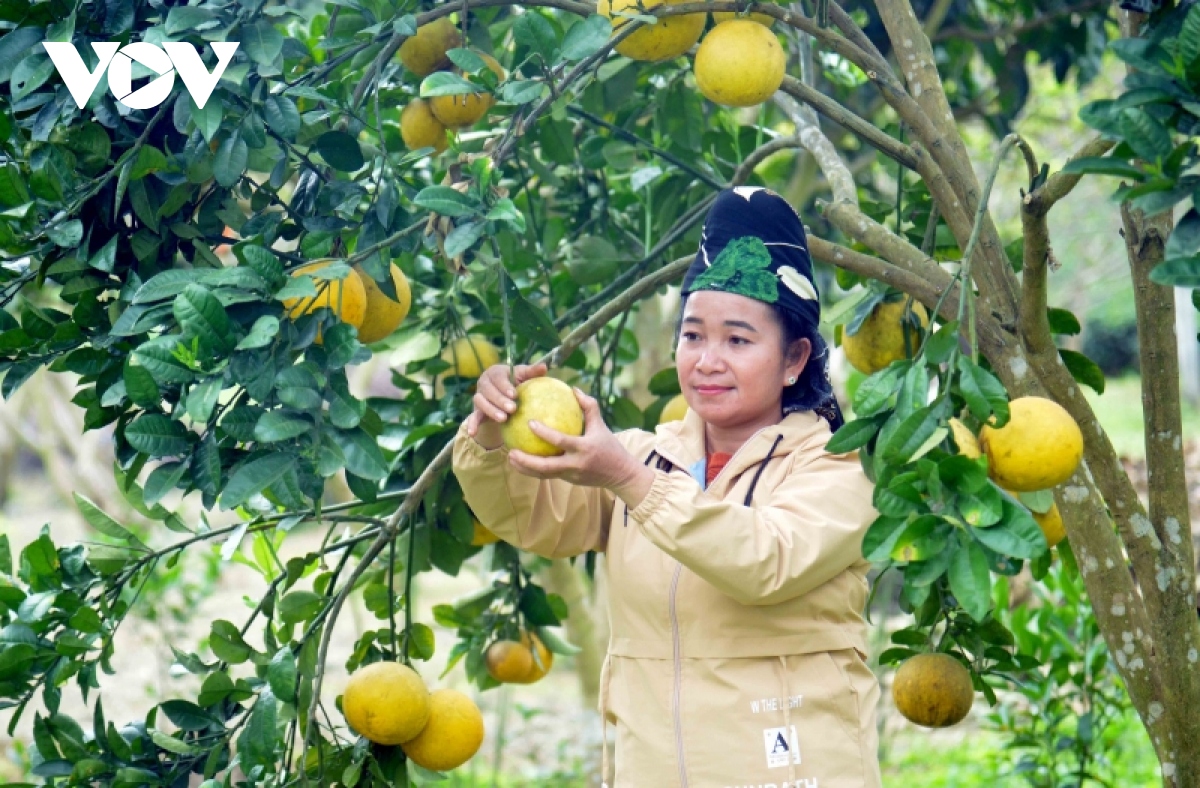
(281, 675)
(282, 116)
(1184, 240)
(162, 480)
(256, 746)
(300, 606)
(982, 508)
(202, 399)
(158, 436)
(1189, 37)
(664, 383)
(446, 201)
(187, 18)
(535, 605)
(420, 642)
(521, 91)
(277, 425)
(187, 716)
(106, 525)
(463, 237)
(68, 234)
(1180, 272)
(506, 211)
(586, 38)
(971, 580)
(983, 393)
(227, 643)
(1017, 535)
(167, 284)
(899, 444)
(363, 456)
(1063, 321)
(1083, 369)
(262, 42)
(173, 745)
(230, 162)
(466, 60)
(149, 160)
(528, 321)
(446, 83)
(878, 390)
(105, 257)
(253, 477)
(854, 435)
(1145, 134)
(201, 315)
(1103, 165)
(261, 335)
(340, 150)
(535, 31)
(881, 537)
(207, 118)
(30, 74)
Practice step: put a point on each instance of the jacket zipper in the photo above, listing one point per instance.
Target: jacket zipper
(678, 679)
(677, 649)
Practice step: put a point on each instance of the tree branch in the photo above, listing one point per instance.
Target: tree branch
(867, 131)
(1170, 592)
(1060, 184)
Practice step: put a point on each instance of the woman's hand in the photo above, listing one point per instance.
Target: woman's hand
(594, 459)
(495, 399)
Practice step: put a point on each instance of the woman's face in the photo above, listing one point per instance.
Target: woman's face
(731, 361)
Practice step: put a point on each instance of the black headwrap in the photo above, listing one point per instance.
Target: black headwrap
(753, 244)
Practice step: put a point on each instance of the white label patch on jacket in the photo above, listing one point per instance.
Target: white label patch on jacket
(778, 746)
(775, 704)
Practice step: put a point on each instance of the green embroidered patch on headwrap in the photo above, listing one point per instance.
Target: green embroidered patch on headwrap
(743, 267)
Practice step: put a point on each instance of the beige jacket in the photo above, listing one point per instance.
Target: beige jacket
(736, 656)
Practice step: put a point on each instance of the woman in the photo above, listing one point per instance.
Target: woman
(732, 538)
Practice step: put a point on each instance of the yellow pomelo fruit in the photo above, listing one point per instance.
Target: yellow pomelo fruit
(968, 444)
(508, 661)
(541, 658)
(482, 535)
(674, 410)
(383, 314)
(452, 735)
(470, 356)
(549, 401)
(1052, 526)
(346, 297)
(670, 37)
(725, 16)
(386, 702)
(933, 690)
(1039, 448)
(739, 64)
(463, 110)
(420, 129)
(425, 52)
(880, 339)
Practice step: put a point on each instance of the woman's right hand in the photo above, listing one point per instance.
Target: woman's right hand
(495, 399)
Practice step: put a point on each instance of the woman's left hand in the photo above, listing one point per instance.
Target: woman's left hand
(594, 459)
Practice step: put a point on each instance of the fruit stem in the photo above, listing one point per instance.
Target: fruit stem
(392, 592)
(408, 573)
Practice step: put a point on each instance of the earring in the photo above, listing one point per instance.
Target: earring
(792, 380)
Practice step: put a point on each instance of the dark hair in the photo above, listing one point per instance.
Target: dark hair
(805, 393)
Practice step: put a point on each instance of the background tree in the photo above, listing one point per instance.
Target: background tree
(547, 224)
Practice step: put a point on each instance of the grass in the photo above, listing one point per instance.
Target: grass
(1119, 409)
(979, 759)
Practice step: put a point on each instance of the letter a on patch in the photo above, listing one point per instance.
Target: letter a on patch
(779, 745)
